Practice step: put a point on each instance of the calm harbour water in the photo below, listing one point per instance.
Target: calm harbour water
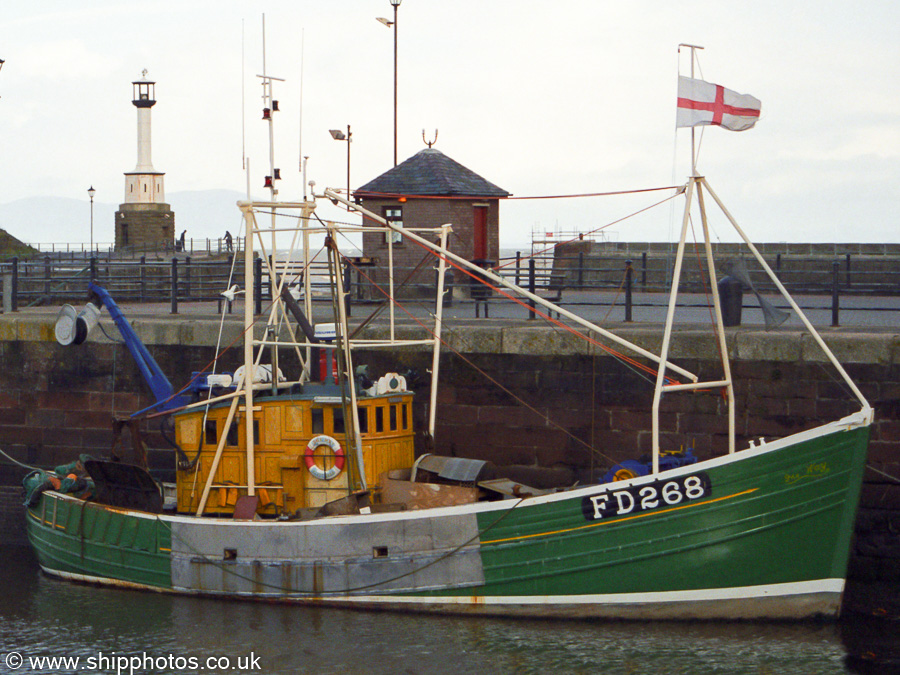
(44, 617)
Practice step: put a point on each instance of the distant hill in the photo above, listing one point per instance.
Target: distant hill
(61, 220)
(10, 246)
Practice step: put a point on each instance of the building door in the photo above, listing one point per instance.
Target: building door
(480, 233)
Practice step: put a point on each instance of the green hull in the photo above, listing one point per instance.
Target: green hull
(780, 517)
(95, 542)
(762, 533)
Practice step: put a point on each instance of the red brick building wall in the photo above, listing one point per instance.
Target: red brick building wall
(429, 213)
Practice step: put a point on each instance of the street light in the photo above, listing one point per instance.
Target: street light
(395, 4)
(338, 135)
(91, 193)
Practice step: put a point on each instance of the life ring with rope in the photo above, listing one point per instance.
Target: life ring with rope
(314, 469)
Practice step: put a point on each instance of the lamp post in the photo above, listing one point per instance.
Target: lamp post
(395, 4)
(91, 193)
(338, 135)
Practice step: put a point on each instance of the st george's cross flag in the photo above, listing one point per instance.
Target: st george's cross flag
(701, 103)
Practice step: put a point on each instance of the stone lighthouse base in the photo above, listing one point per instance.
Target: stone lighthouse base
(144, 226)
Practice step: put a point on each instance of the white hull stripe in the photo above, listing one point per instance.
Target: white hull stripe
(830, 586)
(107, 581)
(772, 591)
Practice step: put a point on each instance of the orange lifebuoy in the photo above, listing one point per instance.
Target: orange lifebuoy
(310, 456)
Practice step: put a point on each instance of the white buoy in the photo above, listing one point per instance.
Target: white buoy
(65, 325)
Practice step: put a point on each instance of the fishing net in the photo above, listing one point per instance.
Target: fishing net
(772, 315)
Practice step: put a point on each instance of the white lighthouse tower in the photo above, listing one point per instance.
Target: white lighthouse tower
(144, 220)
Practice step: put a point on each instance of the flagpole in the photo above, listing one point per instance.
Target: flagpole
(693, 146)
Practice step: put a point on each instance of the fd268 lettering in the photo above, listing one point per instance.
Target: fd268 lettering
(624, 501)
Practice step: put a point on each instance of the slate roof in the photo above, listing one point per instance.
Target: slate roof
(430, 172)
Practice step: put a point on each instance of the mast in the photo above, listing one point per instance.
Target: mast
(661, 387)
(698, 183)
(693, 49)
(270, 107)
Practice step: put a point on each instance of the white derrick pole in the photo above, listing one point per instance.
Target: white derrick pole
(720, 323)
(250, 230)
(809, 327)
(438, 315)
(500, 281)
(349, 378)
(670, 319)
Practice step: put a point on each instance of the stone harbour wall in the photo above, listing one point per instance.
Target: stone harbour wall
(551, 406)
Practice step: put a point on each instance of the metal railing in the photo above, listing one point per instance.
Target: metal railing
(56, 281)
(581, 280)
(108, 250)
(869, 275)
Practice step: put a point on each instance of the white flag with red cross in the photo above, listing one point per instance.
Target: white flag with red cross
(701, 103)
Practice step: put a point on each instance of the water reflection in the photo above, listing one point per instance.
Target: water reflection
(45, 617)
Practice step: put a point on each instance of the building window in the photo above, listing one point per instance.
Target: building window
(394, 215)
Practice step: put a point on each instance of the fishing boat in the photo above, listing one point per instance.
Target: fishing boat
(307, 489)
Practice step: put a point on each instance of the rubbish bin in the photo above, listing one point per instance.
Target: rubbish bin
(731, 295)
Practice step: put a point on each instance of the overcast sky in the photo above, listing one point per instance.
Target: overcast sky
(540, 98)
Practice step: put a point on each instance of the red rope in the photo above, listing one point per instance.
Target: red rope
(546, 317)
(399, 195)
(475, 367)
(599, 229)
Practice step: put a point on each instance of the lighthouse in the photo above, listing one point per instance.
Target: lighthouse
(144, 220)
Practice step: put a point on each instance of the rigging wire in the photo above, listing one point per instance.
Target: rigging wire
(481, 372)
(556, 322)
(679, 190)
(383, 304)
(17, 462)
(580, 195)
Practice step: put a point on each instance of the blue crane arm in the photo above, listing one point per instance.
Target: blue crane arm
(159, 384)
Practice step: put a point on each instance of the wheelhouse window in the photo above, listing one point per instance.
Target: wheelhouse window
(337, 421)
(318, 421)
(393, 415)
(211, 437)
(363, 414)
(394, 215)
(231, 438)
